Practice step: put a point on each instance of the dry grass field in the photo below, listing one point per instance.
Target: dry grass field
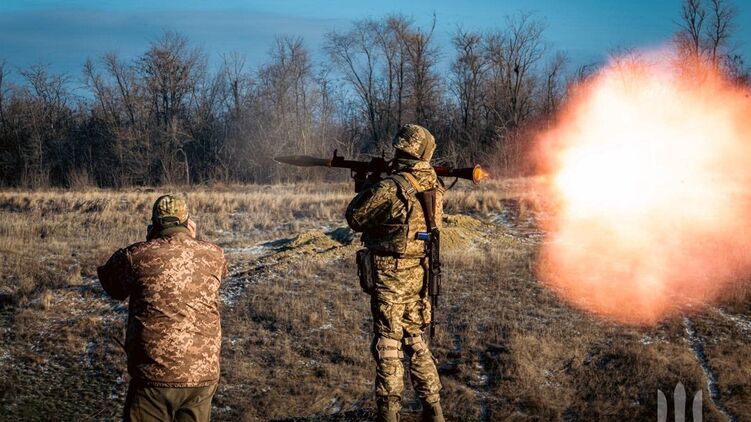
(297, 328)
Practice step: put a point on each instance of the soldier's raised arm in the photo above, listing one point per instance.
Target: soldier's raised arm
(116, 275)
(371, 207)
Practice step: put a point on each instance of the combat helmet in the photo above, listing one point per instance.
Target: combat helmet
(169, 211)
(415, 141)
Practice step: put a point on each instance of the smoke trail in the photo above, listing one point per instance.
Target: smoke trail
(651, 177)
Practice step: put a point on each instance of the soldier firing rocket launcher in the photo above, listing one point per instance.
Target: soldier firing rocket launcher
(363, 170)
(367, 172)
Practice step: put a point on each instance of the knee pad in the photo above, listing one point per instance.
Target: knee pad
(387, 348)
(414, 344)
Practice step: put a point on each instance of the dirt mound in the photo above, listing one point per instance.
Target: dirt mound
(314, 240)
(463, 221)
(460, 231)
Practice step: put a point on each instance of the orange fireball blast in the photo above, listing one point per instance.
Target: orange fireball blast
(651, 176)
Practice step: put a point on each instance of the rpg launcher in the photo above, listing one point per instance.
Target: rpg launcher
(362, 170)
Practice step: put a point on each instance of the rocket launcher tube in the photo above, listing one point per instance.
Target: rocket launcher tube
(378, 165)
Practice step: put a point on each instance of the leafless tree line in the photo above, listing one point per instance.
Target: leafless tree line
(165, 118)
(705, 38)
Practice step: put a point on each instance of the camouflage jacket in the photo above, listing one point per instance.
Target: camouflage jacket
(389, 220)
(174, 333)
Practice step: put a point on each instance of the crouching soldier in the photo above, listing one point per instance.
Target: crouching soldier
(174, 335)
(390, 214)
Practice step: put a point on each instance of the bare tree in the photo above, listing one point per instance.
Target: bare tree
(49, 118)
(705, 35)
(467, 84)
(421, 59)
(722, 15)
(355, 54)
(127, 88)
(170, 70)
(121, 114)
(693, 15)
(239, 80)
(8, 149)
(468, 71)
(285, 104)
(3, 93)
(514, 55)
(392, 81)
(553, 83)
(389, 65)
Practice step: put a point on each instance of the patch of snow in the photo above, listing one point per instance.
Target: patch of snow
(232, 289)
(323, 327)
(335, 405)
(257, 249)
(740, 322)
(697, 345)
(90, 349)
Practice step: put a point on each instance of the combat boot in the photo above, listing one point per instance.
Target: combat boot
(431, 412)
(388, 409)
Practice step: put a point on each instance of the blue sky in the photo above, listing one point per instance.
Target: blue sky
(64, 33)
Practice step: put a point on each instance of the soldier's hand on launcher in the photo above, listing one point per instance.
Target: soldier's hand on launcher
(362, 181)
(365, 181)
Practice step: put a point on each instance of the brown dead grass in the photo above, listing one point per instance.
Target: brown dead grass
(297, 328)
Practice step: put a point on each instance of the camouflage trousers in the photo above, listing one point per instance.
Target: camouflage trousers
(398, 328)
(157, 404)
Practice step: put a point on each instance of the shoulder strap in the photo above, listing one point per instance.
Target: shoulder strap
(412, 181)
(405, 189)
(408, 184)
(405, 186)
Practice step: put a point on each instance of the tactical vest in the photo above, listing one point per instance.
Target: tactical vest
(399, 236)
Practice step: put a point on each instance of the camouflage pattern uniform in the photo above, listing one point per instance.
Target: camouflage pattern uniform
(389, 216)
(174, 335)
